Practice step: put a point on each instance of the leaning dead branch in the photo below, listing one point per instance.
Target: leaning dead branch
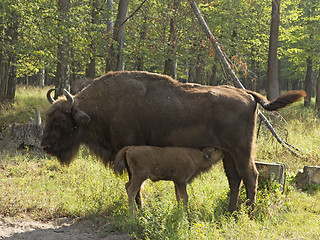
(233, 76)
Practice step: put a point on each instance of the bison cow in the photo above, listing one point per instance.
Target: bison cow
(140, 108)
(177, 164)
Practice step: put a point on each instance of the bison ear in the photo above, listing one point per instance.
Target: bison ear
(81, 117)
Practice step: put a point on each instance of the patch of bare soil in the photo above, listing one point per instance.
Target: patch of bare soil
(62, 229)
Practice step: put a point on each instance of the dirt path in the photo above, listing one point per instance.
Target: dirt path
(62, 229)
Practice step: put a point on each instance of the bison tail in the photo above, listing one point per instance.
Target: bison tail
(120, 162)
(280, 102)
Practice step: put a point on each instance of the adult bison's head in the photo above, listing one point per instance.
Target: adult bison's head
(62, 132)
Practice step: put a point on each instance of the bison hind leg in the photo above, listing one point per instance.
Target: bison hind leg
(250, 181)
(234, 181)
(243, 169)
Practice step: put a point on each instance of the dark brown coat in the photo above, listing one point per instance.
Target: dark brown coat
(140, 108)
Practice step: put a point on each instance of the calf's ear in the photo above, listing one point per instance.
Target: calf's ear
(81, 117)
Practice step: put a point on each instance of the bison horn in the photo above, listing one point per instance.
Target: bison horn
(69, 97)
(50, 99)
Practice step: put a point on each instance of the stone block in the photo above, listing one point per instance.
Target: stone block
(272, 171)
(309, 174)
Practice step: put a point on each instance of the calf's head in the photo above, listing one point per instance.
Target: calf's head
(212, 154)
(62, 131)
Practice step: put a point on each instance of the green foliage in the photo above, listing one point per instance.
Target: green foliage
(241, 26)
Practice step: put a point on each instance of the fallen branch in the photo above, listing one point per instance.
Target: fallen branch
(231, 73)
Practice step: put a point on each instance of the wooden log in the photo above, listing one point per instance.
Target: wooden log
(23, 136)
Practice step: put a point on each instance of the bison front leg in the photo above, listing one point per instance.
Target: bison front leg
(233, 179)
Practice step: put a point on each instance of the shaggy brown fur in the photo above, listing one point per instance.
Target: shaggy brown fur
(140, 108)
(180, 165)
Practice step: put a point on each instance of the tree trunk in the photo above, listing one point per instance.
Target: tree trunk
(63, 68)
(140, 53)
(109, 33)
(8, 59)
(170, 65)
(191, 71)
(4, 77)
(272, 72)
(308, 82)
(200, 73)
(109, 17)
(11, 90)
(213, 81)
(42, 77)
(115, 60)
(317, 105)
(91, 66)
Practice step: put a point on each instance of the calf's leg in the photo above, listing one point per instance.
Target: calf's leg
(181, 193)
(132, 188)
(176, 192)
(138, 196)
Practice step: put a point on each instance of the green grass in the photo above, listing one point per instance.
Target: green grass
(27, 100)
(37, 186)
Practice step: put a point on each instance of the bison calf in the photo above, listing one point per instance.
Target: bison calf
(177, 164)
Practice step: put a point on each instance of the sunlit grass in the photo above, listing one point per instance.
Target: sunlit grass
(27, 100)
(39, 187)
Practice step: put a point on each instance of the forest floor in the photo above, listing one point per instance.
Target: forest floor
(62, 228)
